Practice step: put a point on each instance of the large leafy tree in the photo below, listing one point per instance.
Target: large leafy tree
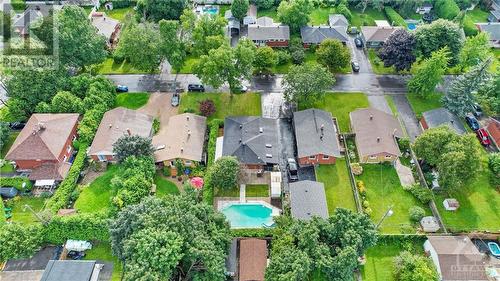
(224, 173)
(264, 4)
(79, 42)
(172, 43)
(437, 35)
(175, 238)
(208, 34)
(429, 73)
(307, 83)
(265, 59)
(399, 50)
(19, 241)
(295, 13)
(476, 49)
(239, 8)
(4, 133)
(156, 10)
(333, 55)
(410, 267)
(488, 95)
(432, 144)
(132, 145)
(62, 102)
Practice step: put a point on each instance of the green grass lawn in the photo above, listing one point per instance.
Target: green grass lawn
(97, 196)
(5, 115)
(102, 252)
(225, 104)
(378, 65)
(22, 214)
(233, 192)
(271, 12)
(383, 189)
(189, 63)
(477, 15)
(223, 9)
(257, 190)
(163, 186)
(368, 18)
(87, 10)
(320, 15)
(10, 141)
(132, 100)
(110, 67)
(118, 13)
(337, 186)
(340, 104)
(420, 105)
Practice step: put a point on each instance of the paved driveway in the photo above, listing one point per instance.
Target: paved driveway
(37, 262)
(287, 149)
(408, 116)
(272, 104)
(360, 56)
(159, 106)
(380, 103)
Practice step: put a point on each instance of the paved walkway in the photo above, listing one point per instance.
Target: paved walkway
(271, 104)
(243, 193)
(405, 174)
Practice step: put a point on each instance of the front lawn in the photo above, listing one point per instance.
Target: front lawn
(420, 105)
(310, 57)
(337, 185)
(368, 18)
(132, 100)
(102, 252)
(118, 13)
(340, 105)
(378, 65)
(383, 189)
(257, 190)
(23, 208)
(164, 187)
(225, 104)
(109, 66)
(97, 196)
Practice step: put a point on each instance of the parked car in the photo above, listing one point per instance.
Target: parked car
(478, 111)
(175, 100)
(483, 137)
(293, 172)
(17, 125)
(121, 89)
(472, 122)
(355, 66)
(196, 88)
(358, 42)
(75, 255)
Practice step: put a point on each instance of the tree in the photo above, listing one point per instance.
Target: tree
(399, 50)
(429, 73)
(411, 267)
(431, 144)
(19, 241)
(460, 97)
(4, 133)
(295, 13)
(132, 145)
(265, 60)
(487, 95)
(307, 83)
(79, 42)
(437, 35)
(208, 34)
(155, 10)
(333, 55)
(173, 46)
(239, 8)
(416, 213)
(174, 238)
(66, 102)
(140, 45)
(207, 107)
(223, 174)
(264, 4)
(90, 122)
(476, 49)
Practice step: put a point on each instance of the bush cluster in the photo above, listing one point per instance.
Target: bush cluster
(79, 227)
(356, 169)
(260, 233)
(423, 194)
(416, 213)
(394, 18)
(17, 182)
(208, 190)
(446, 9)
(362, 191)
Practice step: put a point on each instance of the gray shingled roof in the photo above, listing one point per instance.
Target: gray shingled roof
(316, 34)
(58, 270)
(308, 199)
(337, 20)
(266, 29)
(252, 139)
(493, 28)
(311, 139)
(376, 33)
(441, 116)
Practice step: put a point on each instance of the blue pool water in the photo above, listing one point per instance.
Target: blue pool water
(412, 26)
(494, 248)
(248, 215)
(211, 10)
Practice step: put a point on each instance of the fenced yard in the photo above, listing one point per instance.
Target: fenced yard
(337, 186)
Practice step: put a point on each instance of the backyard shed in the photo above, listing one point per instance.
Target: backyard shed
(451, 204)
(429, 224)
(275, 184)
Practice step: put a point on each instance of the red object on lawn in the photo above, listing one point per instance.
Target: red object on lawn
(483, 137)
(197, 182)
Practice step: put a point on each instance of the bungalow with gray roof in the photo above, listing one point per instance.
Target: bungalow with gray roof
(337, 20)
(375, 36)
(441, 117)
(307, 200)
(313, 35)
(265, 32)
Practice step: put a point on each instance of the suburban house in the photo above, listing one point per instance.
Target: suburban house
(114, 124)
(493, 29)
(21, 22)
(183, 139)
(265, 32)
(75, 270)
(253, 140)
(442, 117)
(337, 20)
(316, 137)
(253, 259)
(375, 36)
(493, 128)
(44, 147)
(494, 15)
(457, 258)
(308, 199)
(314, 35)
(107, 27)
(375, 134)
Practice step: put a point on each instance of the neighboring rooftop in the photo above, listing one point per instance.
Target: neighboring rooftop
(266, 29)
(492, 28)
(376, 33)
(442, 116)
(317, 34)
(253, 259)
(58, 270)
(337, 20)
(308, 199)
(105, 25)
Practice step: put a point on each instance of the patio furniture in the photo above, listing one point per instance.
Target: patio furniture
(451, 204)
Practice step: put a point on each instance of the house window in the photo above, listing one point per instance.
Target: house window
(326, 157)
(312, 157)
(64, 158)
(74, 137)
(373, 157)
(172, 163)
(388, 156)
(101, 158)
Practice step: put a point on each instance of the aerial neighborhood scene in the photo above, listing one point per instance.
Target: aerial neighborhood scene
(250, 140)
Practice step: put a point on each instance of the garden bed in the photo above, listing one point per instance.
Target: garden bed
(337, 185)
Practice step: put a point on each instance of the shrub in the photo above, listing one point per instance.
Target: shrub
(283, 57)
(118, 57)
(423, 194)
(446, 9)
(166, 171)
(394, 18)
(19, 240)
(470, 28)
(494, 166)
(2, 213)
(404, 144)
(416, 213)
(343, 10)
(17, 182)
(207, 107)
(156, 126)
(79, 227)
(361, 187)
(298, 56)
(406, 265)
(356, 169)
(208, 190)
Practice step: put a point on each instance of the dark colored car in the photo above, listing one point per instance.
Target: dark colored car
(358, 42)
(355, 66)
(196, 88)
(74, 255)
(293, 172)
(472, 122)
(483, 137)
(175, 100)
(478, 111)
(17, 125)
(121, 89)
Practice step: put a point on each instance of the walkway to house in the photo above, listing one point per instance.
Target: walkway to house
(405, 174)
(243, 194)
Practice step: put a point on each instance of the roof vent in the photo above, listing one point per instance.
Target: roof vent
(189, 133)
(240, 141)
(187, 117)
(268, 145)
(371, 117)
(269, 155)
(129, 132)
(378, 139)
(110, 125)
(261, 130)
(182, 149)
(241, 126)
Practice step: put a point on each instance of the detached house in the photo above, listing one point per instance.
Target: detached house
(442, 117)
(265, 32)
(316, 137)
(44, 147)
(375, 36)
(337, 29)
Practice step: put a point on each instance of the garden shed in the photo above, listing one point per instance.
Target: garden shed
(275, 184)
(451, 204)
(429, 224)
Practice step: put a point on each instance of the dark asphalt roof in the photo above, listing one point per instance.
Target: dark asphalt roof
(441, 116)
(58, 270)
(252, 139)
(317, 34)
(308, 199)
(315, 133)
(492, 28)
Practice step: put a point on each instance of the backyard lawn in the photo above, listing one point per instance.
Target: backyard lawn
(477, 15)
(257, 190)
(383, 189)
(337, 186)
(110, 67)
(320, 15)
(102, 252)
(225, 104)
(341, 104)
(132, 100)
(368, 18)
(233, 192)
(118, 13)
(420, 105)
(272, 13)
(97, 196)
(164, 187)
(23, 214)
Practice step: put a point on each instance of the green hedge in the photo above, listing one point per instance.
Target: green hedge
(2, 212)
(78, 227)
(470, 28)
(401, 238)
(261, 232)
(446, 9)
(63, 192)
(213, 128)
(17, 182)
(394, 18)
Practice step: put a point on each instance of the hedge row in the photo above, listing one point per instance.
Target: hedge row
(213, 128)
(401, 238)
(394, 18)
(78, 227)
(63, 192)
(17, 182)
(446, 9)
(260, 233)
(2, 212)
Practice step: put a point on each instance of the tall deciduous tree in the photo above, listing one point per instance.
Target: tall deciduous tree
(223, 174)
(488, 95)
(208, 34)
(295, 13)
(62, 102)
(19, 241)
(173, 47)
(333, 54)
(399, 50)
(437, 35)
(239, 8)
(429, 73)
(307, 83)
(264, 4)
(156, 10)
(476, 49)
(132, 145)
(432, 144)
(265, 60)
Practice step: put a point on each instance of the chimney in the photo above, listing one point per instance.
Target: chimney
(371, 117)
(129, 132)
(182, 149)
(110, 125)
(187, 118)
(378, 139)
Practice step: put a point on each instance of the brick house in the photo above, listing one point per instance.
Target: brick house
(493, 128)
(336, 29)
(265, 32)
(316, 137)
(44, 147)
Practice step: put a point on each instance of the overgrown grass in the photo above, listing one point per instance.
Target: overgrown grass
(118, 13)
(97, 196)
(320, 15)
(225, 104)
(367, 18)
(132, 100)
(109, 66)
(271, 12)
(257, 190)
(164, 187)
(23, 214)
(337, 186)
(102, 252)
(420, 105)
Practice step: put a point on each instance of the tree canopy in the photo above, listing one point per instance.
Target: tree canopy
(132, 145)
(333, 55)
(399, 50)
(224, 173)
(295, 13)
(239, 8)
(19, 241)
(476, 49)
(265, 59)
(156, 10)
(429, 73)
(437, 35)
(410, 267)
(307, 83)
(208, 34)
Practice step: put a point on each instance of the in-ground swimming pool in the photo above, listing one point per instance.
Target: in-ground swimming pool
(248, 215)
(211, 10)
(412, 26)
